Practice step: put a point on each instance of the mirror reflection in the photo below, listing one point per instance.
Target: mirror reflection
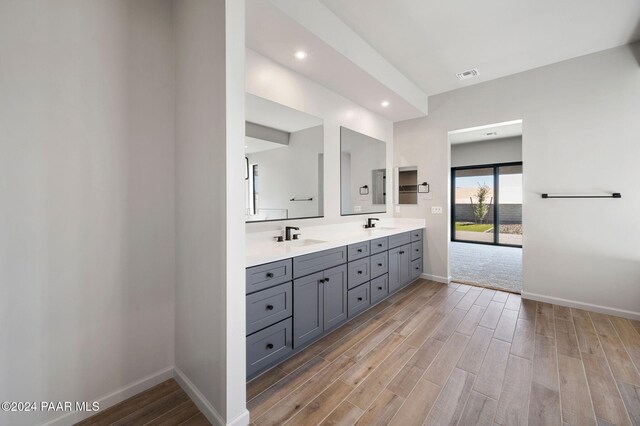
(363, 173)
(284, 156)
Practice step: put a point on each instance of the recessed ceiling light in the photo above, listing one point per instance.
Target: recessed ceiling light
(385, 103)
(300, 54)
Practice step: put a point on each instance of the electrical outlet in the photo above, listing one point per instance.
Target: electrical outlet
(357, 209)
(436, 210)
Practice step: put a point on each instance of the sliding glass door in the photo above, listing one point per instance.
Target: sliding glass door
(486, 204)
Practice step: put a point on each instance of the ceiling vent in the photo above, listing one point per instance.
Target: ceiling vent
(468, 74)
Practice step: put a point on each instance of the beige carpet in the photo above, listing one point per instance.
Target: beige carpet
(485, 265)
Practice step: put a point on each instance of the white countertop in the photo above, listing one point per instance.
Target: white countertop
(261, 247)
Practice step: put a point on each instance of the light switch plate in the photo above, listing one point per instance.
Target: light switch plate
(436, 210)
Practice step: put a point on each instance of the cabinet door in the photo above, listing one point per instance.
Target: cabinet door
(308, 321)
(405, 264)
(394, 269)
(334, 293)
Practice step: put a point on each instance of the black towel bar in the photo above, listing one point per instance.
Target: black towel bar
(614, 195)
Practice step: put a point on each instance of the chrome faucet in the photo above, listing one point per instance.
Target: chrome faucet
(287, 233)
(370, 223)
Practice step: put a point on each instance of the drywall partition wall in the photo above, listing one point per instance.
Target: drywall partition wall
(87, 211)
(507, 150)
(209, 335)
(580, 131)
(272, 81)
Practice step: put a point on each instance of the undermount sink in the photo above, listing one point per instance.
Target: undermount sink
(302, 243)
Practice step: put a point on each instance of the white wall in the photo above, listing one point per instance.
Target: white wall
(580, 135)
(87, 199)
(210, 321)
(272, 81)
(506, 150)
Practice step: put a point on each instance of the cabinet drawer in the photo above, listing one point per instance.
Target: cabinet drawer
(399, 239)
(315, 262)
(416, 250)
(379, 245)
(358, 251)
(269, 306)
(268, 275)
(266, 347)
(379, 288)
(379, 264)
(416, 235)
(358, 272)
(358, 299)
(416, 269)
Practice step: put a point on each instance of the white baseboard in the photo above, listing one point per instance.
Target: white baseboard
(201, 402)
(436, 278)
(114, 397)
(581, 305)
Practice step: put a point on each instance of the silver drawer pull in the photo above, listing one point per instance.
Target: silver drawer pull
(269, 345)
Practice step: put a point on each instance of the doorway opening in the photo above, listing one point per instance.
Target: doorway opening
(486, 206)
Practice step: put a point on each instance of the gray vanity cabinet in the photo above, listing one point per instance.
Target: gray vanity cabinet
(399, 267)
(293, 302)
(334, 296)
(319, 303)
(308, 315)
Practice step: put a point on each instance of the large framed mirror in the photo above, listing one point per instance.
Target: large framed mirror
(363, 173)
(284, 160)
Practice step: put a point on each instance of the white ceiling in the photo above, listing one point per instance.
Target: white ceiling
(271, 114)
(432, 40)
(274, 34)
(479, 134)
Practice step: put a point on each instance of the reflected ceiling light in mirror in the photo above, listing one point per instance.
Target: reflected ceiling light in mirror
(385, 103)
(300, 54)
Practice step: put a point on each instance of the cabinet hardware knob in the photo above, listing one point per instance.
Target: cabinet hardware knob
(359, 250)
(417, 268)
(401, 252)
(380, 264)
(321, 280)
(360, 272)
(326, 280)
(380, 245)
(379, 288)
(359, 299)
(269, 274)
(269, 307)
(269, 345)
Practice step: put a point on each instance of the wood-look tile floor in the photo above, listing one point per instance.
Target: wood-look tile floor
(440, 354)
(165, 404)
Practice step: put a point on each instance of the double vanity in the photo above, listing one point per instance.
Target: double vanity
(298, 291)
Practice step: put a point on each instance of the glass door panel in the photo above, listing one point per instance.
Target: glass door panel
(473, 205)
(510, 205)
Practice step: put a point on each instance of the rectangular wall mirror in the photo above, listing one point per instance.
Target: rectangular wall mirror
(363, 173)
(284, 160)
